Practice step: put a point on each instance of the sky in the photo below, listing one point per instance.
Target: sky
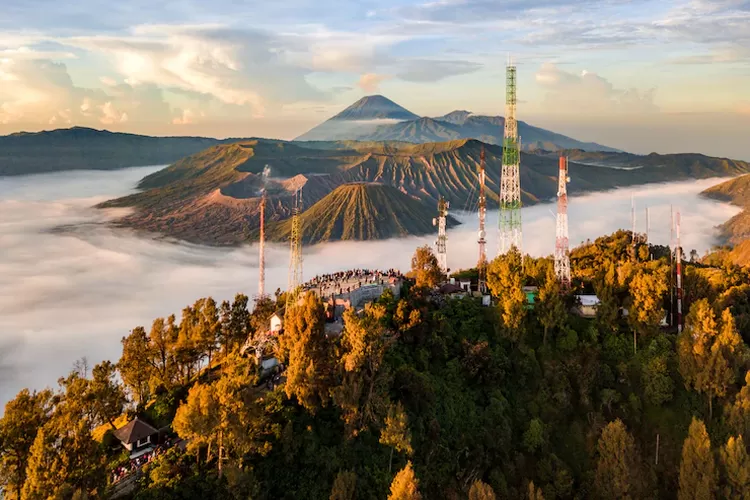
(641, 75)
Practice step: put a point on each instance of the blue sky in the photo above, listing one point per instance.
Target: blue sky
(602, 70)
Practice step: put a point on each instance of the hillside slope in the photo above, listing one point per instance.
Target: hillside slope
(84, 148)
(737, 229)
(360, 211)
(213, 197)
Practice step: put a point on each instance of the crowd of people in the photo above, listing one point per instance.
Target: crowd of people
(135, 464)
(346, 281)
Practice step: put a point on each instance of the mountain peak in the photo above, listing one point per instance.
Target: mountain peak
(457, 117)
(374, 107)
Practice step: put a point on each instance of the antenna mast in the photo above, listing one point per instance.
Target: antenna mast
(262, 243)
(440, 222)
(671, 266)
(295, 263)
(482, 262)
(562, 251)
(679, 275)
(632, 222)
(510, 185)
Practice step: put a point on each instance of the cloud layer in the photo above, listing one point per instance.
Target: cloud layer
(72, 287)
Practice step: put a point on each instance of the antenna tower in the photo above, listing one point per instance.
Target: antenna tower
(440, 222)
(671, 266)
(295, 262)
(562, 251)
(510, 185)
(482, 262)
(678, 260)
(633, 237)
(262, 243)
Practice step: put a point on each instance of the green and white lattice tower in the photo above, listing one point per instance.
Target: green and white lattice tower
(510, 181)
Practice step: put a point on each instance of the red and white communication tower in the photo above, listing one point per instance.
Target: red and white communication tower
(562, 251)
(482, 261)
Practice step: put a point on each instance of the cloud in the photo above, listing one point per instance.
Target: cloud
(187, 117)
(426, 70)
(370, 82)
(589, 93)
(98, 283)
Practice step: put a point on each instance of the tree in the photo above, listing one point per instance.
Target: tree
(657, 384)
(534, 492)
(405, 485)
(617, 468)
(344, 486)
(647, 288)
(425, 268)
(197, 419)
(261, 315)
(309, 371)
(396, 432)
(505, 280)
(208, 326)
(608, 309)
(363, 394)
(697, 470)
(706, 354)
(240, 321)
(24, 416)
(481, 491)
(106, 393)
(533, 438)
(134, 366)
(160, 353)
(739, 411)
(551, 307)
(736, 464)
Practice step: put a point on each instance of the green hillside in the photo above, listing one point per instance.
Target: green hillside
(736, 230)
(361, 212)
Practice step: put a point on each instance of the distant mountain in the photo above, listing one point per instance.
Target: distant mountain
(380, 119)
(361, 211)
(85, 148)
(213, 197)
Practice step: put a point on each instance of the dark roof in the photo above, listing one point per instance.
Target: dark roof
(451, 288)
(135, 430)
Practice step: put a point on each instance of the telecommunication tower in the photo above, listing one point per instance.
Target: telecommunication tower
(678, 260)
(295, 262)
(262, 243)
(562, 251)
(440, 222)
(510, 183)
(482, 262)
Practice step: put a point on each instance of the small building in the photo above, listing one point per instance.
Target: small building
(588, 305)
(138, 437)
(465, 284)
(276, 323)
(531, 293)
(452, 290)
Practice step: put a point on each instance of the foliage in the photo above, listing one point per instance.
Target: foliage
(405, 485)
(481, 491)
(697, 471)
(736, 465)
(425, 268)
(344, 486)
(617, 474)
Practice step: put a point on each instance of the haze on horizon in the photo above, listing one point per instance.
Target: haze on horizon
(641, 76)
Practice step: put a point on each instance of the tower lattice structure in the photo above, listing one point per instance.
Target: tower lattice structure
(295, 260)
(562, 250)
(510, 181)
(442, 239)
(482, 261)
(262, 242)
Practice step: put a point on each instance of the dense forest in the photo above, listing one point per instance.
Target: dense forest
(424, 396)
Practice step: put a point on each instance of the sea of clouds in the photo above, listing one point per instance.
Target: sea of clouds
(73, 286)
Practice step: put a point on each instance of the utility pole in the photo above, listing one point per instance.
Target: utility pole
(510, 185)
(562, 251)
(295, 261)
(482, 262)
(633, 237)
(678, 258)
(440, 244)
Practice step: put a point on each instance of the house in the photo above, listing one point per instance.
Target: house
(277, 321)
(138, 437)
(452, 290)
(588, 305)
(465, 284)
(531, 292)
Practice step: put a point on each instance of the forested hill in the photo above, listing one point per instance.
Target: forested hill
(736, 230)
(213, 196)
(81, 148)
(425, 396)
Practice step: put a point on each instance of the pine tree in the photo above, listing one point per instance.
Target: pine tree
(134, 366)
(697, 470)
(505, 281)
(739, 411)
(736, 464)
(617, 469)
(534, 492)
(106, 393)
(425, 268)
(344, 486)
(405, 485)
(396, 432)
(551, 307)
(481, 491)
